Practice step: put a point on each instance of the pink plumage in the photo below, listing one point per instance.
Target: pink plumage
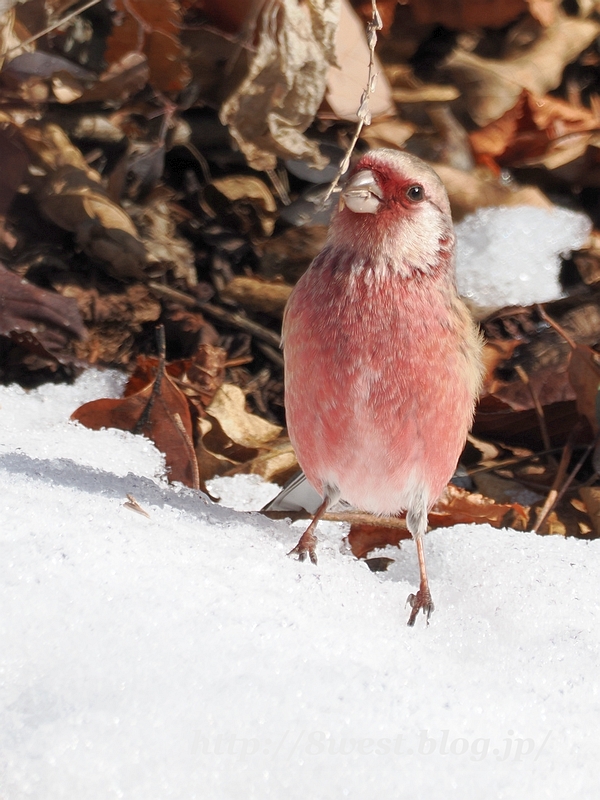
(382, 360)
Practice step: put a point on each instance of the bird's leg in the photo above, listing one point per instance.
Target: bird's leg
(308, 541)
(417, 525)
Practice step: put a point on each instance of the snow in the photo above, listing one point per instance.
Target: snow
(185, 656)
(511, 256)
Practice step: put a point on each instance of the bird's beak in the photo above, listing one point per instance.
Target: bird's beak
(362, 193)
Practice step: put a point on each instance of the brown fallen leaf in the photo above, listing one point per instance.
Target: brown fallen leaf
(456, 506)
(276, 463)
(198, 377)
(124, 77)
(584, 374)
(72, 195)
(151, 27)
(230, 438)
(469, 14)
(290, 253)
(492, 87)
(537, 130)
(247, 430)
(591, 497)
(114, 316)
(246, 198)
(156, 221)
(160, 411)
(269, 110)
(347, 75)
(33, 76)
(37, 319)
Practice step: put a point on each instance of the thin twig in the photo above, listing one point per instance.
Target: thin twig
(537, 405)
(555, 495)
(190, 450)
(271, 353)
(53, 27)
(558, 328)
(364, 113)
(228, 318)
(511, 462)
(350, 517)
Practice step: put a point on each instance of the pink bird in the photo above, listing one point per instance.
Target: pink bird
(382, 359)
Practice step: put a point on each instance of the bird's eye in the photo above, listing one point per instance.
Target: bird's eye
(415, 193)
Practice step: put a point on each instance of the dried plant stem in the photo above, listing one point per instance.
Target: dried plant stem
(350, 517)
(189, 446)
(537, 405)
(558, 328)
(232, 319)
(364, 114)
(555, 494)
(511, 462)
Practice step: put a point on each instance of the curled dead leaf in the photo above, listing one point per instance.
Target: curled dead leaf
(492, 87)
(278, 98)
(73, 197)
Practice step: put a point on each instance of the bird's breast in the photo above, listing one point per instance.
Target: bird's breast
(379, 383)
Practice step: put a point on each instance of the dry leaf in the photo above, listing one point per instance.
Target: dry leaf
(151, 27)
(248, 430)
(455, 507)
(124, 77)
(198, 378)
(276, 464)
(387, 133)
(113, 318)
(168, 414)
(591, 497)
(72, 196)
(245, 197)
(277, 100)
(39, 320)
(584, 375)
(156, 220)
(492, 87)
(468, 14)
(537, 130)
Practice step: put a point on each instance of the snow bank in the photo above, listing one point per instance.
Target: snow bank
(185, 656)
(511, 256)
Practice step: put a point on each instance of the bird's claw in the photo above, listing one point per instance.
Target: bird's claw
(307, 545)
(420, 601)
(302, 552)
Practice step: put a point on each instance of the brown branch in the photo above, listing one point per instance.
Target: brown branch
(232, 319)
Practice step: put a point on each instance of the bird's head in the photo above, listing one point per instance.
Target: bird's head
(396, 207)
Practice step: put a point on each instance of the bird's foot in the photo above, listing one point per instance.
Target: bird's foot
(307, 545)
(420, 600)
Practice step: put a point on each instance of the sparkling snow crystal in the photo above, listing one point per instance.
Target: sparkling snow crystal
(509, 256)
